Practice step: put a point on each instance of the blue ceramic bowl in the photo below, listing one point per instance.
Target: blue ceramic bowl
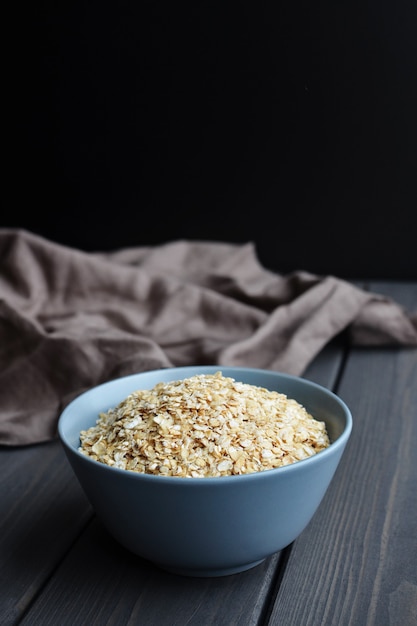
(206, 526)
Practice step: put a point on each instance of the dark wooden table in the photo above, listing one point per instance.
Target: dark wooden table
(356, 562)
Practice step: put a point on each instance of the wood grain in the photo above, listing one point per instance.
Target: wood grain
(356, 562)
(42, 511)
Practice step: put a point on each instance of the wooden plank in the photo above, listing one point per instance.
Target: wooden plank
(100, 582)
(42, 511)
(356, 562)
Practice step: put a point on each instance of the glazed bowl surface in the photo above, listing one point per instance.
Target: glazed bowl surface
(210, 526)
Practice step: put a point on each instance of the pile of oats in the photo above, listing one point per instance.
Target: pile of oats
(205, 425)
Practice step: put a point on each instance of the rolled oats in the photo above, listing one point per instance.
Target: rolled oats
(204, 425)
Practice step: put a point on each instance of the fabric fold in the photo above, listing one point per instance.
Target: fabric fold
(70, 320)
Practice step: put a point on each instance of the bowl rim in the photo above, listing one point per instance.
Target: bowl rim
(341, 441)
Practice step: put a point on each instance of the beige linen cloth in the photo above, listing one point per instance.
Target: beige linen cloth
(70, 320)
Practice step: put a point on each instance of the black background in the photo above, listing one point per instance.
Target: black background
(292, 125)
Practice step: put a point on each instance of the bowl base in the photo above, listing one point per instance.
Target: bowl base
(208, 573)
